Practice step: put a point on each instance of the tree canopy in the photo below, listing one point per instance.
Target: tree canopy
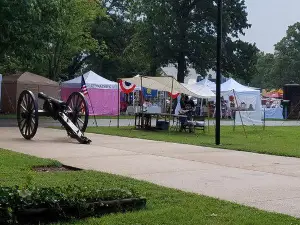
(282, 67)
(116, 38)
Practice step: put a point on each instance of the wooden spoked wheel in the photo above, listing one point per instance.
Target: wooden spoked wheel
(27, 114)
(78, 110)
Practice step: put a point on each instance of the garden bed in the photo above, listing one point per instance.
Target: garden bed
(62, 168)
(47, 205)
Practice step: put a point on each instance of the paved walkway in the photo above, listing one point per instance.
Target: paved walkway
(130, 122)
(267, 182)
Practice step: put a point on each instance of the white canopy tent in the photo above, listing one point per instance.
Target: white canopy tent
(206, 82)
(168, 84)
(102, 93)
(92, 80)
(247, 97)
(200, 90)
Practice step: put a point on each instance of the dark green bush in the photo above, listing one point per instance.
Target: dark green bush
(24, 205)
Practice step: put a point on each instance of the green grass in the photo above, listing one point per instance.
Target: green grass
(282, 141)
(164, 205)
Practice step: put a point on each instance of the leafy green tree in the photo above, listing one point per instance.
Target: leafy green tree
(121, 53)
(46, 36)
(287, 54)
(240, 60)
(184, 31)
(264, 71)
(282, 67)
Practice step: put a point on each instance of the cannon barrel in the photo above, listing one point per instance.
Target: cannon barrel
(45, 97)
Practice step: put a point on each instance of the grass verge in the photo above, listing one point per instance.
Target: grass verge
(282, 141)
(164, 205)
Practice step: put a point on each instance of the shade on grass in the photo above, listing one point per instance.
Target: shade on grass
(164, 205)
(283, 141)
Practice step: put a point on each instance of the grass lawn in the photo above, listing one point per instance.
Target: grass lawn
(273, 140)
(164, 206)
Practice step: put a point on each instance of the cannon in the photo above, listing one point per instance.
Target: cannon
(72, 114)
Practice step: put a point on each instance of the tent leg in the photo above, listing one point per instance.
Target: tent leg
(240, 115)
(118, 121)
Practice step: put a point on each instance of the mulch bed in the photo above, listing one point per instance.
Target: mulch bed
(62, 168)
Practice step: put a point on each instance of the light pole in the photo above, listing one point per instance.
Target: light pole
(218, 80)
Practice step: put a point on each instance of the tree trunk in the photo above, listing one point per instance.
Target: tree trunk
(153, 68)
(181, 68)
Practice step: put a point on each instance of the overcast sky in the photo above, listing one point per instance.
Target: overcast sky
(270, 20)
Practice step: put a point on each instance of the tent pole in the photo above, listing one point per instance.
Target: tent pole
(93, 110)
(141, 102)
(118, 121)
(218, 72)
(171, 101)
(208, 110)
(240, 114)
(264, 118)
(201, 105)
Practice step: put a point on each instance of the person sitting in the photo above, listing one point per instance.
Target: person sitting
(250, 108)
(187, 107)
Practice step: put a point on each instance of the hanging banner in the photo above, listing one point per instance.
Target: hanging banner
(126, 87)
(149, 93)
(173, 95)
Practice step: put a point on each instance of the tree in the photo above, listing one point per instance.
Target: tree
(287, 54)
(264, 71)
(120, 53)
(45, 36)
(71, 36)
(184, 31)
(282, 67)
(240, 60)
(17, 32)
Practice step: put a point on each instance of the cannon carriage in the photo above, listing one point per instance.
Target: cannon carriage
(72, 114)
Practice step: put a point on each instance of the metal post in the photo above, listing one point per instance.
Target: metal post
(218, 80)
(118, 123)
(264, 118)
(142, 104)
(171, 101)
(208, 114)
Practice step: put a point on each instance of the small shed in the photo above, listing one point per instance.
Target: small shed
(13, 85)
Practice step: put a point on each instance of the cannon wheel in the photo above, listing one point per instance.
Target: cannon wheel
(27, 114)
(79, 111)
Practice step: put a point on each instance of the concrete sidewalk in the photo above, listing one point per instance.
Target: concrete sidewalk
(49, 122)
(270, 183)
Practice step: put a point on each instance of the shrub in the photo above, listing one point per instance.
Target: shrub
(34, 204)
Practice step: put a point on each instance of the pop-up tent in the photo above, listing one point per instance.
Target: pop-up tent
(13, 85)
(166, 83)
(200, 90)
(206, 82)
(102, 93)
(248, 102)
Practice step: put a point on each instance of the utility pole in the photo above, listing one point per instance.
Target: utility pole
(218, 80)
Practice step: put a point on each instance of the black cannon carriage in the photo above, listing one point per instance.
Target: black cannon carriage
(72, 114)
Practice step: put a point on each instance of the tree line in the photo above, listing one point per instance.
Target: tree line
(60, 39)
(273, 70)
